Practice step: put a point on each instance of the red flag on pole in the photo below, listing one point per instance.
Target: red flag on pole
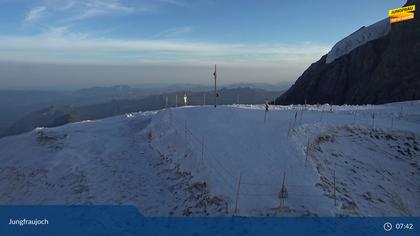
(215, 73)
(215, 86)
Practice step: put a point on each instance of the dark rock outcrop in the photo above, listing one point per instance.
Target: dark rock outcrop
(380, 71)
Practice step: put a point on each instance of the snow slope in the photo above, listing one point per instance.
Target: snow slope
(358, 38)
(107, 161)
(224, 161)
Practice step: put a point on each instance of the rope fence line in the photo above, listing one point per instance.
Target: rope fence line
(197, 140)
(277, 194)
(219, 171)
(218, 167)
(356, 116)
(279, 184)
(292, 188)
(214, 163)
(206, 149)
(353, 116)
(175, 123)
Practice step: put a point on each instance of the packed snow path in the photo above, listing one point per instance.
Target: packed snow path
(225, 161)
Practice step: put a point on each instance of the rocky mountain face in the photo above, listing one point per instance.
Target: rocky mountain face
(379, 70)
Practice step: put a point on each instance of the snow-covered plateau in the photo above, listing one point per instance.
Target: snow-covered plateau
(229, 160)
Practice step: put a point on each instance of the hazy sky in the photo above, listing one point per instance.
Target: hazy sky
(53, 43)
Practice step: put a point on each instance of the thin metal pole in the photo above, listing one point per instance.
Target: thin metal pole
(392, 122)
(307, 152)
(265, 116)
(185, 129)
(290, 126)
(237, 193)
(284, 178)
(373, 120)
(283, 187)
(215, 86)
(335, 197)
(301, 115)
(202, 150)
(354, 118)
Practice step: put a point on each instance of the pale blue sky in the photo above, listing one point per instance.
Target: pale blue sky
(270, 36)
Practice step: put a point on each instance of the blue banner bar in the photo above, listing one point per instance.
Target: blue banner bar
(126, 220)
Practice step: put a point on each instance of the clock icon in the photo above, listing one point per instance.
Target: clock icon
(387, 226)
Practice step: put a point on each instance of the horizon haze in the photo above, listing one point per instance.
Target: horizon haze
(51, 44)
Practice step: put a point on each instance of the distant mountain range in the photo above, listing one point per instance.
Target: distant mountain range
(56, 115)
(15, 104)
(374, 65)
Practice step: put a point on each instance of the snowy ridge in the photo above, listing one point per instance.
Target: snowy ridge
(205, 161)
(358, 38)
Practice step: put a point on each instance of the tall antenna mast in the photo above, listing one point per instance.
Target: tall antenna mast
(215, 85)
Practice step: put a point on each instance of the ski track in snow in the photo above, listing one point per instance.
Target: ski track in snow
(224, 161)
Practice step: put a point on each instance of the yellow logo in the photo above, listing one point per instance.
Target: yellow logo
(401, 14)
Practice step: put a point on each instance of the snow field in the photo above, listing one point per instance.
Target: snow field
(225, 161)
(240, 148)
